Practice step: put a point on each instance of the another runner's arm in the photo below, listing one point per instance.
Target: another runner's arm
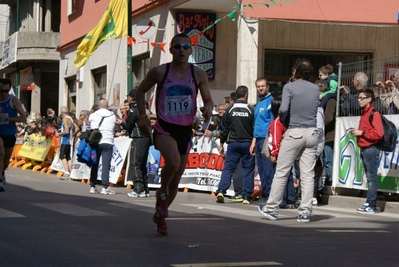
(16, 103)
(202, 81)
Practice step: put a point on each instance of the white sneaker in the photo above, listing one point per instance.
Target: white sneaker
(134, 194)
(93, 190)
(108, 191)
(65, 176)
(314, 202)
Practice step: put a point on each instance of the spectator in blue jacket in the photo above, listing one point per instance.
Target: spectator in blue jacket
(263, 118)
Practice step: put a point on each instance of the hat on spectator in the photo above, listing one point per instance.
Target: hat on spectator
(132, 93)
(153, 116)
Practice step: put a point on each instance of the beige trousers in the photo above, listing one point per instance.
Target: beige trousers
(298, 143)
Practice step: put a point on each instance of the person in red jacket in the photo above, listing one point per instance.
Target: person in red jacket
(276, 130)
(368, 134)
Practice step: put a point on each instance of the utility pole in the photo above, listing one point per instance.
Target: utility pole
(129, 47)
(16, 61)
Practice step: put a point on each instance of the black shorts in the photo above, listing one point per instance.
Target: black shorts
(65, 152)
(181, 134)
(8, 140)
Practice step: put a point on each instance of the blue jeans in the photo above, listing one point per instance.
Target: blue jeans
(327, 158)
(370, 156)
(235, 152)
(265, 168)
(105, 151)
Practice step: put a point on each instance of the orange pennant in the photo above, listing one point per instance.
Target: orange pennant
(194, 40)
(162, 46)
(131, 41)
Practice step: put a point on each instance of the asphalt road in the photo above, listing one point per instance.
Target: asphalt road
(48, 222)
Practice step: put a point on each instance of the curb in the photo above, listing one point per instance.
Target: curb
(353, 199)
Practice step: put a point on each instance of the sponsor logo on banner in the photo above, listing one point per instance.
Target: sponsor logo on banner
(35, 147)
(348, 166)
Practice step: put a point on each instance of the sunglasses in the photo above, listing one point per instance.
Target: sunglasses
(5, 91)
(179, 46)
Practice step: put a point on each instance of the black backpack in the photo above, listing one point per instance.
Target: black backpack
(388, 141)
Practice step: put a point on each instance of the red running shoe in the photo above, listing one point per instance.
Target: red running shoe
(162, 228)
(162, 204)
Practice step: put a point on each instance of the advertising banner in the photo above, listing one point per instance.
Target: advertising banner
(348, 169)
(81, 171)
(203, 55)
(35, 147)
(203, 170)
(121, 149)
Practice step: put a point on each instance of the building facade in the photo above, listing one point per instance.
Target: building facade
(248, 41)
(28, 51)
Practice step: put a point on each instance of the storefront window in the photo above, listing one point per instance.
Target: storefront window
(141, 65)
(100, 83)
(71, 83)
(278, 64)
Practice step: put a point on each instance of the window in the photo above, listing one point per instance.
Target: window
(72, 6)
(71, 83)
(278, 64)
(141, 65)
(100, 83)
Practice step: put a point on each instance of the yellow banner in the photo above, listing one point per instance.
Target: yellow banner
(113, 25)
(35, 147)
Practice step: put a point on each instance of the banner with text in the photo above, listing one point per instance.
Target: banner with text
(204, 52)
(35, 147)
(348, 171)
(203, 170)
(81, 171)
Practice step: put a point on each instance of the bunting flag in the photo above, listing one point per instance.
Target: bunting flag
(231, 16)
(112, 25)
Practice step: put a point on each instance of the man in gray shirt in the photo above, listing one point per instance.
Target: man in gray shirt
(298, 112)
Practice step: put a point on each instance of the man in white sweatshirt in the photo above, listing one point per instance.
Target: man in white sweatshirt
(104, 120)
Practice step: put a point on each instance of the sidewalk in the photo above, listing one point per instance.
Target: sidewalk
(352, 198)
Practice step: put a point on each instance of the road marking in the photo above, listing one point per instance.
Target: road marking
(228, 264)
(135, 206)
(225, 209)
(9, 214)
(352, 231)
(71, 210)
(144, 208)
(194, 219)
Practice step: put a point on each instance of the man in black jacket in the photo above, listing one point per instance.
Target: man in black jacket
(237, 132)
(138, 153)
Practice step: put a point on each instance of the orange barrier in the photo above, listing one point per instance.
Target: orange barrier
(44, 166)
(14, 156)
(47, 162)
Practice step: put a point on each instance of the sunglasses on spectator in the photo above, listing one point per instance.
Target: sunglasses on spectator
(5, 91)
(179, 46)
